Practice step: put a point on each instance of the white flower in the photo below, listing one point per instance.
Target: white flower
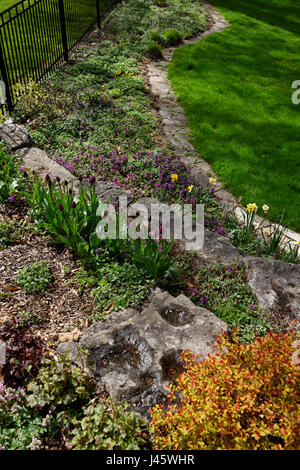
(265, 208)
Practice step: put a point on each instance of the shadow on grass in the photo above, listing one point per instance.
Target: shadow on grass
(281, 14)
(235, 87)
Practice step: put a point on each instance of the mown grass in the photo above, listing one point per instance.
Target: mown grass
(32, 41)
(6, 4)
(235, 87)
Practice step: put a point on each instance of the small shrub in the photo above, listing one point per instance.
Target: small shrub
(172, 37)
(40, 102)
(154, 50)
(188, 35)
(61, 384)
(9, 232)
(24, 351)
(155, 36)
(34, 278)
(242, 398)
(108, 426)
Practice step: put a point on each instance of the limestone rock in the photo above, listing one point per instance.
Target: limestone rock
(37, 160)
(215, 249)
(135, 355)
(109, 192)
(276, 284)
(16, 136)
(70, 350)
(218, 249)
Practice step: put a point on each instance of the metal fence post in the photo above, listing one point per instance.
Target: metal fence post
(63, 28)
(98, 13)
(4, 75)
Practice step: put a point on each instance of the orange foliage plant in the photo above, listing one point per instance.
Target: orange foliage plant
(243, 397)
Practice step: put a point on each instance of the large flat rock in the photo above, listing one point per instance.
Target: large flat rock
(216, 248)
(135, 355)
(37, 160)
(276, 285)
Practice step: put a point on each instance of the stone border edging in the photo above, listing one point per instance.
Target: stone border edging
(177, 131)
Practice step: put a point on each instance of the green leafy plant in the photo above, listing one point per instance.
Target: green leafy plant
(117, 286)
(20, 427)
(61, 384)
(154, 257)
(275, 244)
(224, 291)
(39, 103)
(34, 278)
(107, 425)
(9, 232)
(33, 416)
(161, 3)
(28, 319)
(156, 36)
(172, 37)
(154, 50)
(71, 220)
(11, 181)
(188, 35)
(246, 233)
(61, 408)
(290, 253)
(254, 239)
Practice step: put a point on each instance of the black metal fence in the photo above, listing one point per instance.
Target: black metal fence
(37, 35)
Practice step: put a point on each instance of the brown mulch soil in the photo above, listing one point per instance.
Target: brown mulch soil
(61, 307)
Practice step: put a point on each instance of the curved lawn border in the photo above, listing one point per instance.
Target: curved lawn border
(177, 130)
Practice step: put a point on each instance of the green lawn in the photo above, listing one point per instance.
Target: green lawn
(6, 4)
(31, 45)
(235, 87)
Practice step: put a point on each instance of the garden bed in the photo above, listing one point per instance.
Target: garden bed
(97, 118)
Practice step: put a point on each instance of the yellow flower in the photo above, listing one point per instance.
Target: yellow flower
(174, 177)
(190, 188)
(265, 208)
(252, 207)
(212, 180)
